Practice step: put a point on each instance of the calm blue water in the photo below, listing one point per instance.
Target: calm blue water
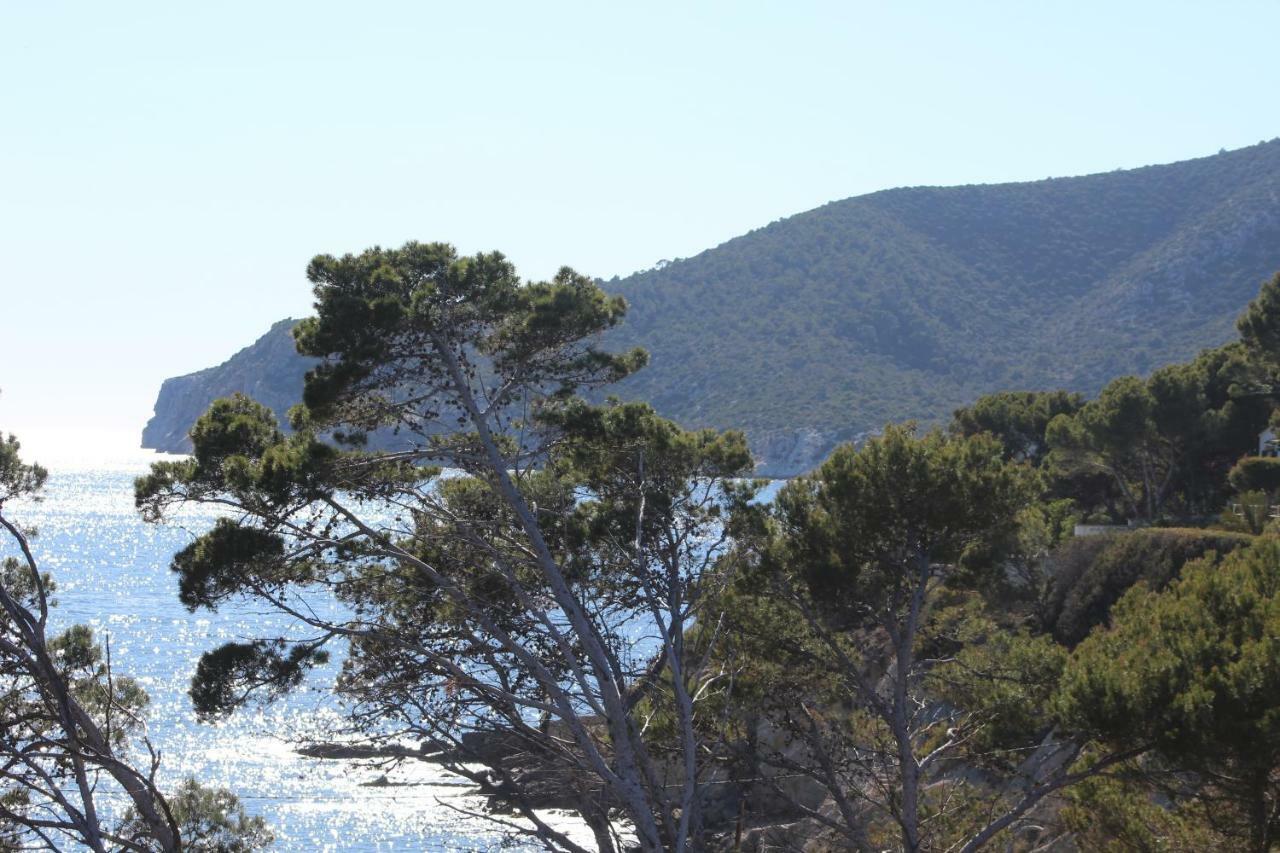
(112, 574)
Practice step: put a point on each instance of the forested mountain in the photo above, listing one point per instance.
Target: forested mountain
(910, 302)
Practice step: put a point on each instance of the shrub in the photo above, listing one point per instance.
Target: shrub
(1256, 474)
(1089, 574)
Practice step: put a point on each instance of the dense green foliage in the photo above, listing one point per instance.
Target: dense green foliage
(1193, 672)
(1142, 450)
(1090, 574)
(1018, 419)
(1165, 444)
(1259, 325)
(864, 656)
(1256, 474)
(871, 519)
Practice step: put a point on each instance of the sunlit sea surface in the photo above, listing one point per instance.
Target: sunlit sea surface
(112, 573)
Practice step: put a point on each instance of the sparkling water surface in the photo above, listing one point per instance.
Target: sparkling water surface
(112, 573)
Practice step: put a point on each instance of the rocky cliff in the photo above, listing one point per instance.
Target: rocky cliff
(269, 370)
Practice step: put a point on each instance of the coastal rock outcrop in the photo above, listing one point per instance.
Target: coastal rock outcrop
(269, 370)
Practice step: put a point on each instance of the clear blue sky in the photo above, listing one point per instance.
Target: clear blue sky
(167, 169)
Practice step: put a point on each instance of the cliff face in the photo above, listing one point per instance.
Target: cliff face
(908, 303)
(787, 452)
(269, 370)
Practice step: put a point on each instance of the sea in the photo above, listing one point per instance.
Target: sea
(112, 573)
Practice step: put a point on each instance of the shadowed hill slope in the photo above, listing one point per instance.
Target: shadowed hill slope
(910, 302)
(269, 370)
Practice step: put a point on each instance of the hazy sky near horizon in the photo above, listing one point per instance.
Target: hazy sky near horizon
(168, 169)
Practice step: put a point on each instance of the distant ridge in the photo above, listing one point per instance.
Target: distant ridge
(907, 303)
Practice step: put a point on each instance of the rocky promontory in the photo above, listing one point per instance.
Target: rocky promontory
(269, 370)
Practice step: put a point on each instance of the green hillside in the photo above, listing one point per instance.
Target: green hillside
(910, 302)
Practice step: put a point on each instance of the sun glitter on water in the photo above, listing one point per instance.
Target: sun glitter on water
(112, 574)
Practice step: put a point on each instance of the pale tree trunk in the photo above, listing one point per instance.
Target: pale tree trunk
(630, 763)
(904, 638)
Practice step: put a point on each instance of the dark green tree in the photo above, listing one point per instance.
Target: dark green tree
(1259, 326)
(868, 663)
(1090, 574)
(1165, 444)
(1229, 427)
(525, 611)
(1193, 672)
(1118, 435)
(1256, 474)
(1018, 419)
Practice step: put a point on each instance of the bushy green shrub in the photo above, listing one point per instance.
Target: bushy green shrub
(1256, 474)
(1089, 574)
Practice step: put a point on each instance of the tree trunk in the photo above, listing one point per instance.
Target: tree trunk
(1259, 816)
(908, 769)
